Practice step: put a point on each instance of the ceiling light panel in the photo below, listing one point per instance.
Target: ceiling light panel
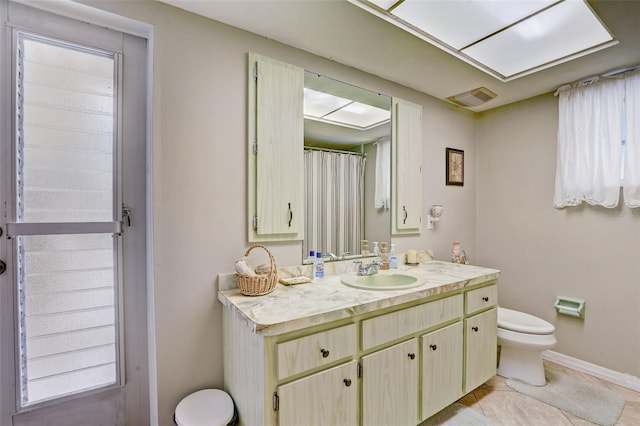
(461, 23)
(566, 29)
(360, 115)
(319, 104)
(504, 38)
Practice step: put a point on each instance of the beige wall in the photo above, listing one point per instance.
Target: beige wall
(586, 252)
(199, 180)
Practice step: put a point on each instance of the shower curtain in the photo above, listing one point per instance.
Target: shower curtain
(334, 198)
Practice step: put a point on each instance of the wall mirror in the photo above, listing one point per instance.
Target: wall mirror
(347, 154)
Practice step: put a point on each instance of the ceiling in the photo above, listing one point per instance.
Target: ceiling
(342, 32)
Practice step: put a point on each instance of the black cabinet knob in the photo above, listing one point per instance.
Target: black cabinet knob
(411, 355)
(347, 382)
(474, 328)
(325, 352)
(433, 347)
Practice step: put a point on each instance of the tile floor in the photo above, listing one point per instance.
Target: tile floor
(508, 407)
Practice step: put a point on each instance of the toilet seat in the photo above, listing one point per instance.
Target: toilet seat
(521, 322)
(205, 407)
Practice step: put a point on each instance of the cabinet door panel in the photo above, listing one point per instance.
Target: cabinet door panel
(390, 385)
(481, 349)
(321, 399)
(407, 155)
(275, 170)
(441, 368)
(280, 134)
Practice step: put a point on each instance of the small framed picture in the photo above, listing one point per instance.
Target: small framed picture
(455, 167)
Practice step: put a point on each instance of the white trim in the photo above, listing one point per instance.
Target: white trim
(82, 12)
(622, 379)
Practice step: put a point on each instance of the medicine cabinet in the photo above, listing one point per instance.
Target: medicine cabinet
(276, 164)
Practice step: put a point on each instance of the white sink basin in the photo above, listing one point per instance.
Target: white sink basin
(382, 281)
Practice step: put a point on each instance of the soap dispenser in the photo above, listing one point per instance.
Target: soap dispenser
(393, 257)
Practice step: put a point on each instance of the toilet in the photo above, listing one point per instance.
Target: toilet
(207, 407)
(522, 338)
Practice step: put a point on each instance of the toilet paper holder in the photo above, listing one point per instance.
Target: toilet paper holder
(570, 306)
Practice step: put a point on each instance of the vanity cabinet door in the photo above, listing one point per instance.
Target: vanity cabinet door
(441, 368)
(326, 398)
(276, 151)
(390, 385)
(407, 167)
(481, 348)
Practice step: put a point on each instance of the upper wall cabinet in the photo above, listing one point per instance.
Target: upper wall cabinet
(406, 206)
(276, 156)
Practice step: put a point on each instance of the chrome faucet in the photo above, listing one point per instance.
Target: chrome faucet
(370, 269)
(333, 256)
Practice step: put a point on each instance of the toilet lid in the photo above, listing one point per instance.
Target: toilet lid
(205, 408)
(523, 323)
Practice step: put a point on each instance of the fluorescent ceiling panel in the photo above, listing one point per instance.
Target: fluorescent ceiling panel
(345, 112)
(505, 38)
(319, 104)
(559, 32)
(359, 115)
(459, 23)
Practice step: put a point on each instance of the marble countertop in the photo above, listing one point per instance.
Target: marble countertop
(290, 308)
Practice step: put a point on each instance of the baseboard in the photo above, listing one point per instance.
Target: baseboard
(625, 380)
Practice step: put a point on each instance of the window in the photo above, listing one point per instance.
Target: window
(65, 193)
(598, 138)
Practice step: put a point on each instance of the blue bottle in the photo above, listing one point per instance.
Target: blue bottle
(318, 266)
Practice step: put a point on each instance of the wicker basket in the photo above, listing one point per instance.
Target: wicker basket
(257, 285)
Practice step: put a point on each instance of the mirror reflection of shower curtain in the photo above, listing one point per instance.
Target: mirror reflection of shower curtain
(334, 199)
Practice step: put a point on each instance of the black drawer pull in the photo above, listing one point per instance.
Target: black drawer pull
(411, 355)
(433, 347)
(486, 298)
(325, 352)
(474, 328)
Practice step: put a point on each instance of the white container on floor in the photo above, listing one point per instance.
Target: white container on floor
(207, 407)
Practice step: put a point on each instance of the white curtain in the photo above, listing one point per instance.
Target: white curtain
(589, 143)
(382, 197)
(334, 198)
(631, 183)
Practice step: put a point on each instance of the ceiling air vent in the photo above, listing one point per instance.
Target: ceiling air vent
(473, 97)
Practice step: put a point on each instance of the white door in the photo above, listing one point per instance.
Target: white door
(73, 296)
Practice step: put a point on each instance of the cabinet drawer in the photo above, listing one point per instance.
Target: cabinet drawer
(385, 328)
(482, 298)
(315, 350)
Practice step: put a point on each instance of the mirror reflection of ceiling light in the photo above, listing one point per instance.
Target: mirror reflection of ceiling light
(507, 39)
(340, 111)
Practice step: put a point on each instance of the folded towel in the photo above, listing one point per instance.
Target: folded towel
(242, 267)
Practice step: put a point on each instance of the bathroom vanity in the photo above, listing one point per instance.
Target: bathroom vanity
(325, 353)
